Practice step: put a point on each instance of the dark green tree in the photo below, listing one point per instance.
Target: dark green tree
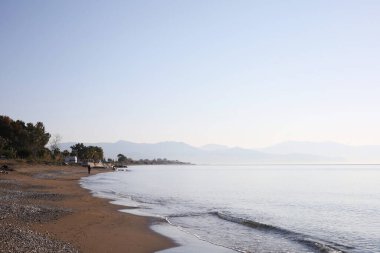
(122, 158)
(65, 153)
(93, 152)
(22, 140)
(87, 152)
(78, 150)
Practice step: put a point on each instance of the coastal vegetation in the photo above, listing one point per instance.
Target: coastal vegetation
(23, 140)
(87, 152)
(20, 140)
(28, 141)
(123, 160)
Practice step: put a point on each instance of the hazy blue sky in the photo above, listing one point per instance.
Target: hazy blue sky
(240, 73)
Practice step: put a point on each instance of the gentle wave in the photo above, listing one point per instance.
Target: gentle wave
(315, 244)
(306, 240)
(189, 214)
(349, 218)
(167, 219)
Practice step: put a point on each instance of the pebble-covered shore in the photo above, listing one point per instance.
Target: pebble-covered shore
(22, 205)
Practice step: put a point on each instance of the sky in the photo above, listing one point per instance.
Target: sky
(237, 73)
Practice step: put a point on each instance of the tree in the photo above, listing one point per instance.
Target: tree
(78, 150)
(94, 153)
(37, 137)
(5, 149)
(22, 140)
(85, 153)
(122, 158)
(55, 144)
(65, 153)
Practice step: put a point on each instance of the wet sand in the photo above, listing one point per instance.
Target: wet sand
(44, 205)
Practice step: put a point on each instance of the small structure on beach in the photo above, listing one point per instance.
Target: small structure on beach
(71, 159)
(92, 163)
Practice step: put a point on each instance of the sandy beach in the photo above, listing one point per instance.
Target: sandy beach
(43, 209)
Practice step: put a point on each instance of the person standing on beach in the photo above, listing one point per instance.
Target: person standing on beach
(89, 169)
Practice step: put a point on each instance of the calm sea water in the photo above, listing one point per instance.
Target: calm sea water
(269, 208)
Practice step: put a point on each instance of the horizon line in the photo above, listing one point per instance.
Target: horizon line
(227, 146)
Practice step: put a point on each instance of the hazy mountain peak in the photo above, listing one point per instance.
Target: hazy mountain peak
(354, 154)
(211, 147)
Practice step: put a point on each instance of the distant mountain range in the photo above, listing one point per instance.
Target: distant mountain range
(346, 153)
(286, 152)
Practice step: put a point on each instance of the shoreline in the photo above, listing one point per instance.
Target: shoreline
(184, 240)
(85, 222)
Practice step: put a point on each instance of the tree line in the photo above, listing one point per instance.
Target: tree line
(123, 160)
(23, 140)
(20, 140)
(87, 152)
(28, 141)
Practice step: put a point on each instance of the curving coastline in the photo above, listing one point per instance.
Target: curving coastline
(44, 207)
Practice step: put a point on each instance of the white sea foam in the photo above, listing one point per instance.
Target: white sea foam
(326, 208)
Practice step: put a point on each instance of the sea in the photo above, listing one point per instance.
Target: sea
(253, 208)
